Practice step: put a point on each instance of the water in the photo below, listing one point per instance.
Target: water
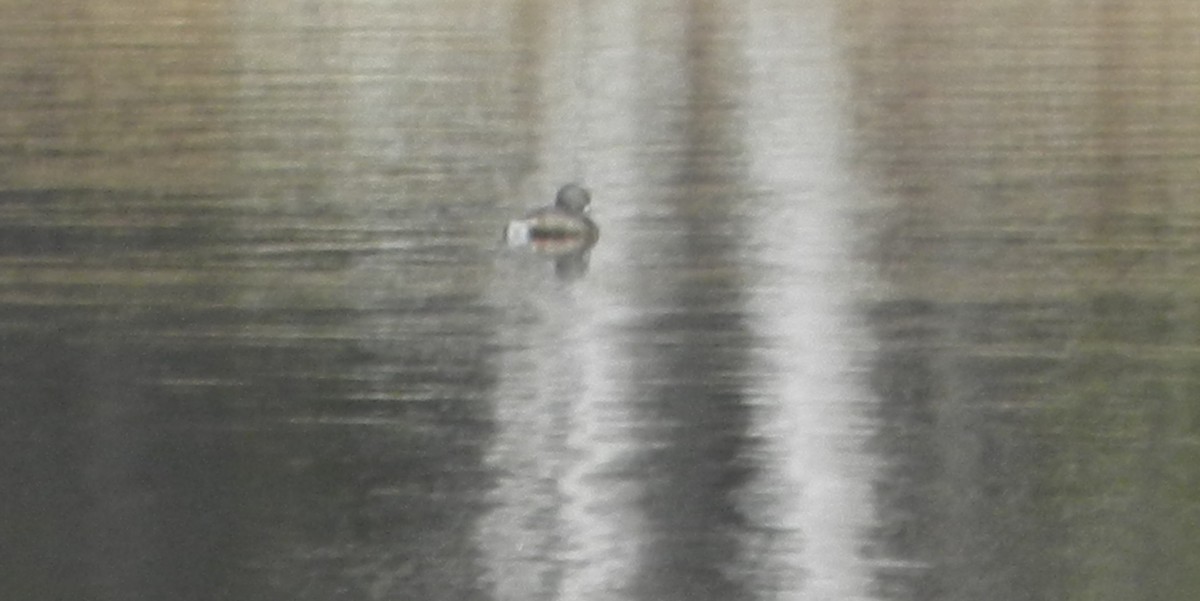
(889, 303)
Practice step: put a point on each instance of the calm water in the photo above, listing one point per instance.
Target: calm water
(890, 302)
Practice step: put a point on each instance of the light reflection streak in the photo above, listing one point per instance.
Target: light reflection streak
(815, 493)
(563, 522)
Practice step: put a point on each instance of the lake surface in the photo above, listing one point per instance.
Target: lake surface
(890, 302)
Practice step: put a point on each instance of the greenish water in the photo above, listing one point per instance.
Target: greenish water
(889, 302)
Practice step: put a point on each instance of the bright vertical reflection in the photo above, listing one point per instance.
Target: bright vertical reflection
(561, 524)
(601, 519)
(814, 490)
(562, 521)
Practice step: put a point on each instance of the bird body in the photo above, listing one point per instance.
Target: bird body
(559, 229)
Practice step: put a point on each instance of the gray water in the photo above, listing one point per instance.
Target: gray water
(892, 301)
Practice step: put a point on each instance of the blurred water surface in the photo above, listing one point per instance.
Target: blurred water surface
(890, 302)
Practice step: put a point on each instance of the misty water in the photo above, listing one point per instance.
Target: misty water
(891, 301)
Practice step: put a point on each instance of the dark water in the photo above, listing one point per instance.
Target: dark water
(890, 302)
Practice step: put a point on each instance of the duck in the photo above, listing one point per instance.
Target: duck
(561, 229)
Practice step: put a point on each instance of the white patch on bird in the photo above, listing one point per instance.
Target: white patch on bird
(518, 232)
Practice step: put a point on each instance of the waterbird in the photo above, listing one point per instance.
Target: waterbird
(563, 228)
